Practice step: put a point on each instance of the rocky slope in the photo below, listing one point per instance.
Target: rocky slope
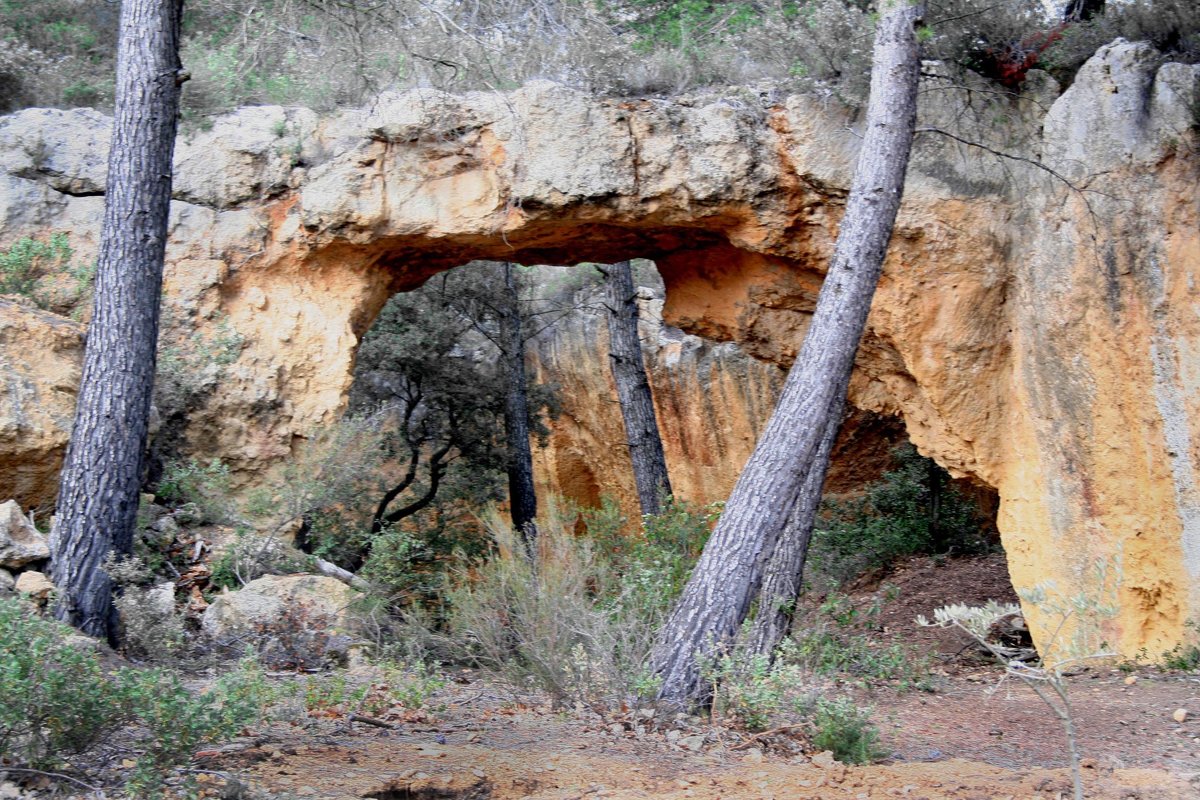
(1035, 327)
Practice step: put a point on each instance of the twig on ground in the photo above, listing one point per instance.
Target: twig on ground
(378, 723)
(758, 736)
(55, 775)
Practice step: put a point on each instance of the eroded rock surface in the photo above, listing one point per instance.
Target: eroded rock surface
(41, 358)
(1036, 331)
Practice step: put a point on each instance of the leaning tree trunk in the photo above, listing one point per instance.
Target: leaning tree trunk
(784, 573)
(633, 389)
(726, 579)
(101, 476)
(522, 499)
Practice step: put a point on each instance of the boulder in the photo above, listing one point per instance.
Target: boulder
(34, 584)
(20, 542)
(161, 599)
(265, 603)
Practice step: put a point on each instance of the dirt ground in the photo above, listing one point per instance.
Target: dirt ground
(975, 737)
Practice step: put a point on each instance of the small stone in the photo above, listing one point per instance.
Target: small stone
(824, 759)
(1180, 715)
(420, 776)
(1131, 680)
(9, 790)
(616, 729)
(693, 743)
(8, 584)
(478, 773)
(753, 756)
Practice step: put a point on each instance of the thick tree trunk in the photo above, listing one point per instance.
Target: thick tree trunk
(783, 576)
(633, 389)
(98, 490)
(726, 579)
(522, 499)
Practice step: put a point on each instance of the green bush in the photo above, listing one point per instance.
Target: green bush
(60, 702)
(839, 640)
(751, 689)
(839, 725)
(895, 517)
(31, 267)
(201, 490)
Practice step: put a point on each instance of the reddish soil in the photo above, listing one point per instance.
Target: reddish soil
(974, 738)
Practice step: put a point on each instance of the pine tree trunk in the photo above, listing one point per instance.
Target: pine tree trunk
(783, 576)
(101, 476)
(726, 579)
(633, 389)
(522, 499)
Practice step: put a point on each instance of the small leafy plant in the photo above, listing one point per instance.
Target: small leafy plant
(841, 726)
(60, 703)
(28, 263)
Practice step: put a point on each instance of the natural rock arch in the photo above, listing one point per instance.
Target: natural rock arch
(1039, 340)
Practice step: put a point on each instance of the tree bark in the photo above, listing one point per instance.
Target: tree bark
(101, 476)
(633, 389)
(522, 498)
(783, 576)
(729, 573)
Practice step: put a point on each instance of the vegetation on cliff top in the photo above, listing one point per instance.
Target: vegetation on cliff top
(325, 54)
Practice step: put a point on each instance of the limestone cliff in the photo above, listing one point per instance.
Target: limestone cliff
(1035, 328)
(712, 400)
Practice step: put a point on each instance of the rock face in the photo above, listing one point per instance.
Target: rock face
(41, 357)
(711, 399)
(1035, 330)
(20, 541)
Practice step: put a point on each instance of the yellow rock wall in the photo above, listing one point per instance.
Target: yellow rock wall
(1035, 329)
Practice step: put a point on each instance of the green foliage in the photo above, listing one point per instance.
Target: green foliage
(251, 555)
(557, 623)
(60, 702)
(750, 689)
(56, 52)
(42, 270)
(175, 722)
(840, 640)
(894, 517)
(838, 724)
(395, 565)
(1172, 26)
(656, 563)
(410, 685)
(200, 491)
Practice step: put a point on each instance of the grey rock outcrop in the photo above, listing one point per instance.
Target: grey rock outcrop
(20, 541)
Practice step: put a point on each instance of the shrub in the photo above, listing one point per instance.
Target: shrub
(838, 641)
(150, 627)
(839, 725)
(60, 702)
(251, 555)
(561, 622)
(895, 517)
(199, 490)
(42, 270)
(1172, 26)
(751, 689)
